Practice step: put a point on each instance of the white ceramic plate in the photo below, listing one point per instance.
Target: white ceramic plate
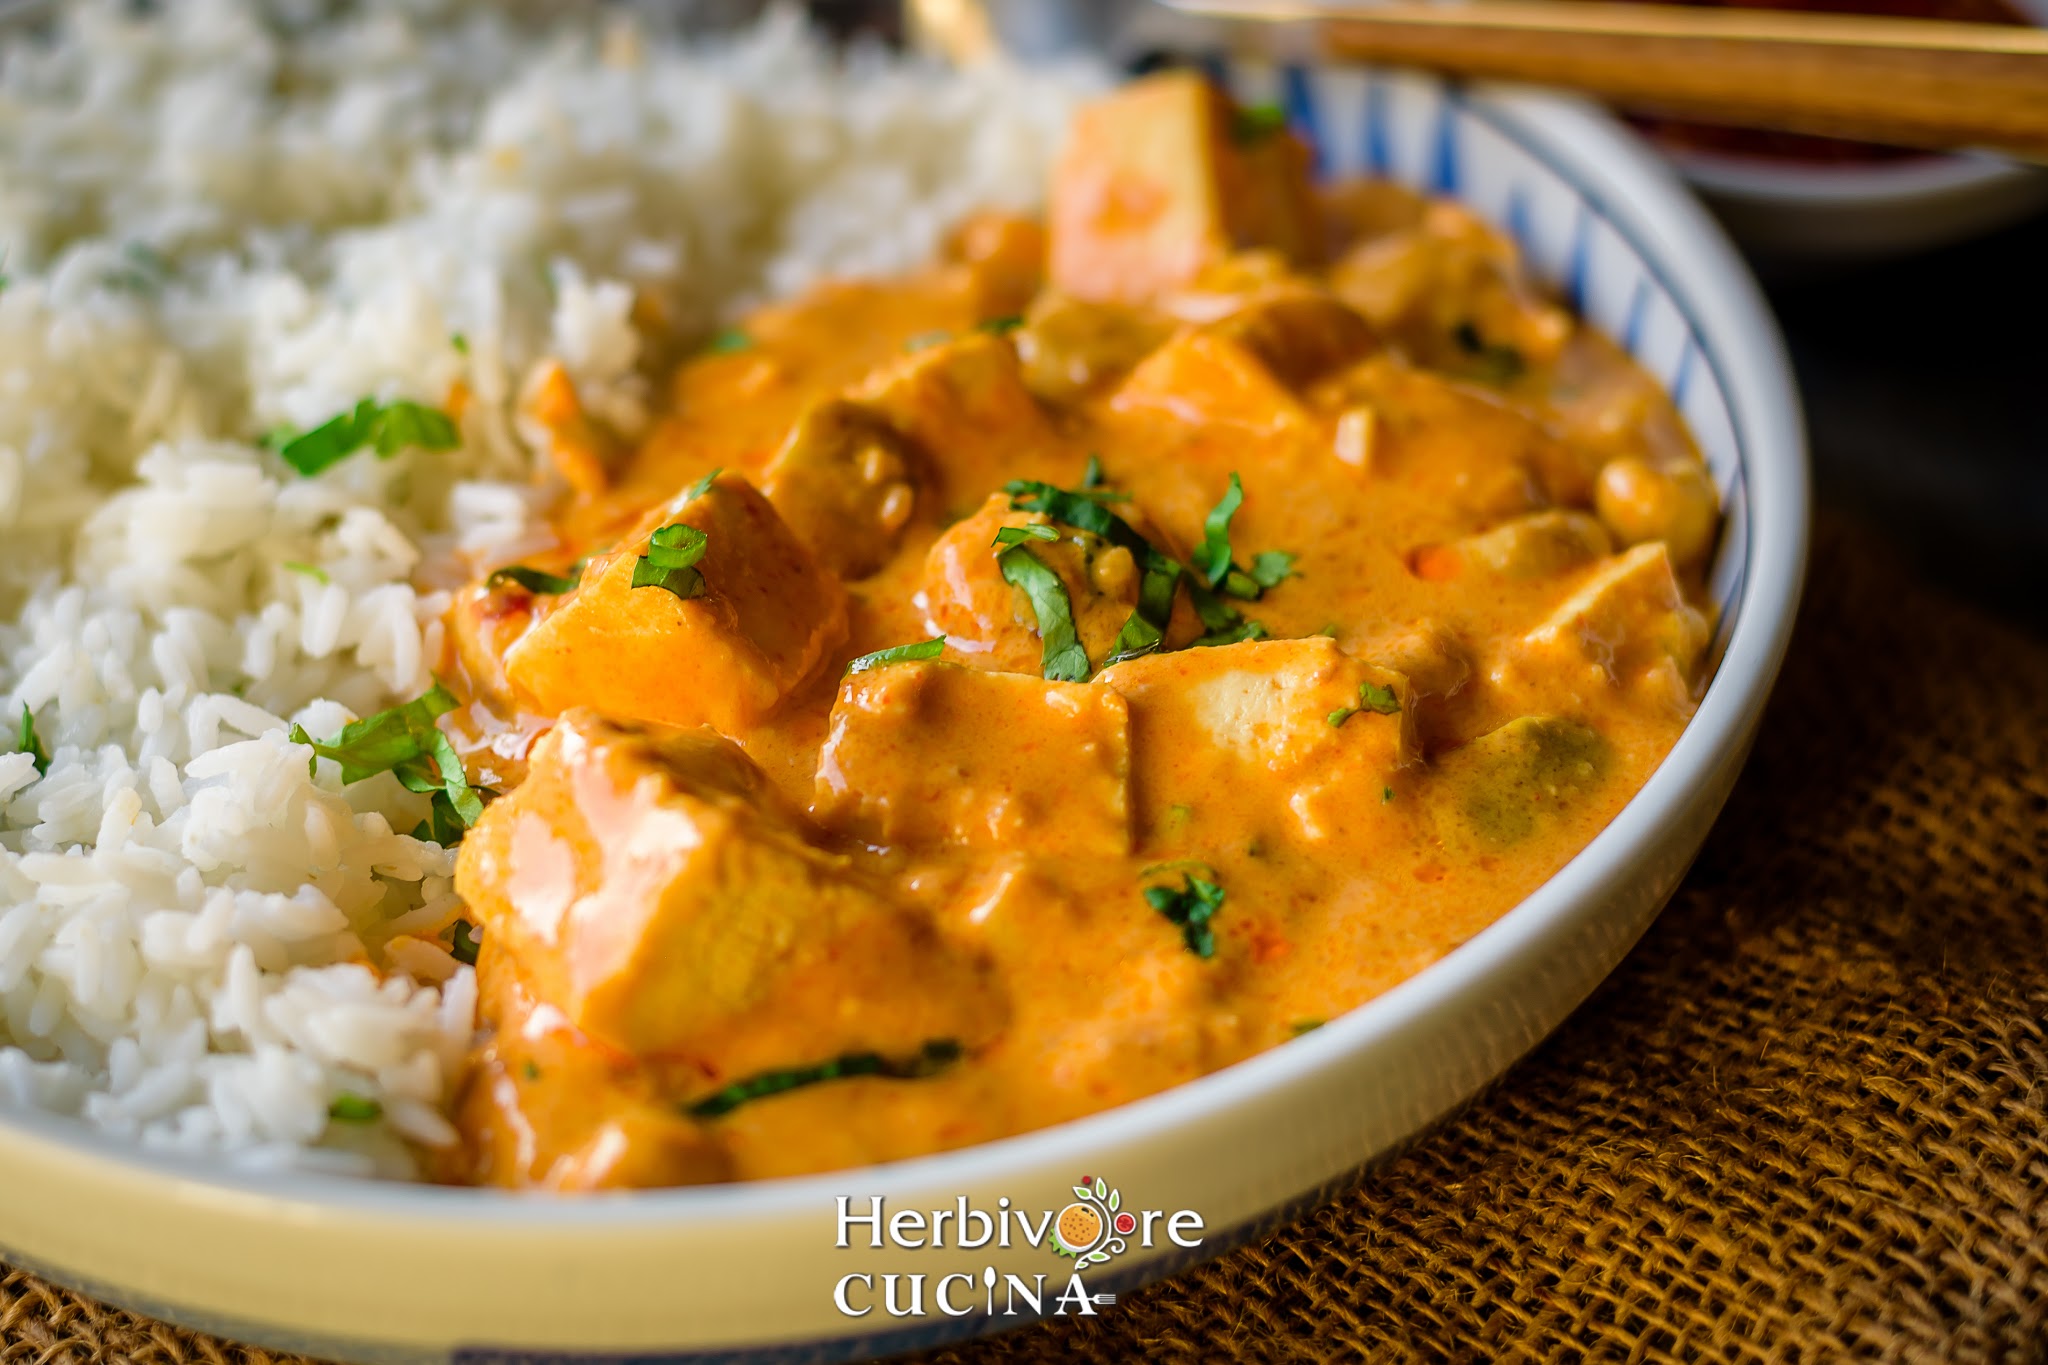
(373, 1272)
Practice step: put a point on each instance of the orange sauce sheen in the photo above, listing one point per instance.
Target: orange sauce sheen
(724, 858)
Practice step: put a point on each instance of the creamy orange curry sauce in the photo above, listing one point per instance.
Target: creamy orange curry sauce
(1288, 586)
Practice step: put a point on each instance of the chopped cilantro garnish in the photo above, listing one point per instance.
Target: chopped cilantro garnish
(924, 649)
(30, 743)
(1386, 795)
(702, 486)
(1091, 474)
(1257, 122)
(405, 742)
(354, 1109)
(671, 561)
(731, 341)
(1061, 657)
(459, 342)
(1145, 628)
(1017, 535)
(1002, 326)
(1270, 568)
(1301, 1026)
(1191, 907)
(1212, 557)
(536, 581)
(929, 1060)
(386, 427)
(529, 1071)
(312, 571)
(1222, 624)
(1377, 698)
(463, 942)
(1490, 363)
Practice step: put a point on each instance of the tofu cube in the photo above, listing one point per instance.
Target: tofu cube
(1204, 377)
(1323, 732)
(767, 616)
(1160, 179)
(933, 753)
(846, 484)
(965, 399)
(1539, 545)
(1628, 621)
(655, 890)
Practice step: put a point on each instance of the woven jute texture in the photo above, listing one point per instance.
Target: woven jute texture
(1806, 1121)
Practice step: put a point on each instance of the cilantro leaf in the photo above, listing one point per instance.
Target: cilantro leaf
(1091, 475)
(30, 743)
(1377, 698)
(354, 1109)
(1212, 558)
(671, 561)
(406, 742)
(1061, 657)
(926, 649)
(385, 427)
(312, 571)
(463, 942)
(929, 1060)
(536, 581)
(1222, 623)
(1145, 629)
(1270, 568)
(1191, 907)
(730, 341)
(1257, 122)
(1001, 326)
(702, 486)
(1017, 535)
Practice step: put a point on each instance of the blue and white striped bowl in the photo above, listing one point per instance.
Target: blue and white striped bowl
(747, 1273)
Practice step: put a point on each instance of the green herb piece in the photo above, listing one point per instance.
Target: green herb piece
(312, 571)
(1374, 697)
(354, 1109)
(1271, 568)
(925, 649)
(671, 561)
(385, 427)
(1212, 558)
(406, 742)
(929, 1060)
(539, 582)
(702, 486)
(1061, 657)
(1386, 795)
(459, 342)
(1091, 475)
(1378, 699)
(463, 942)
(1002, 326)
(1257, 122)
(1017, 535)
(30, 743)
(1490, 363)
(529, 1071)
(730, 341)
(924, 341)
(1222, 623)
(1145, 629)
(1330, 630)
(144, 273)
(1191, 907)
(1301, 1026)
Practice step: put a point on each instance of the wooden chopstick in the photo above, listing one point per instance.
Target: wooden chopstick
(1911, 82)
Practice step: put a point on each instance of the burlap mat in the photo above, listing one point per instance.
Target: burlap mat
(1806, 1120)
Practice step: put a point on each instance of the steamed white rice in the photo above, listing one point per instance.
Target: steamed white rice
(235, 215)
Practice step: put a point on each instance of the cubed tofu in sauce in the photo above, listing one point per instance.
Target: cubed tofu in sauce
(999, 692)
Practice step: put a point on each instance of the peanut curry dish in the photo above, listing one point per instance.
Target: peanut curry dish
(993, 695)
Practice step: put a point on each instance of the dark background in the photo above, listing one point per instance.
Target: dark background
(1926, 391)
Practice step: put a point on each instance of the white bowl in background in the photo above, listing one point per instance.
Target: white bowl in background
(1791, 212)
(390, 1273)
